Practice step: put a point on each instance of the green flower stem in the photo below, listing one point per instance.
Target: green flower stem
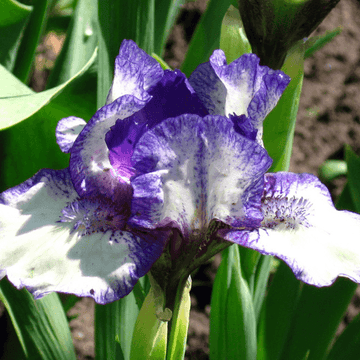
(149, 338)
(180, 321)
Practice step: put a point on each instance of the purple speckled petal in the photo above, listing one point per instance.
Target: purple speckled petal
(209, 88)
(265, 99)
(244, 126)
(90, 168)
(194, 170)
(53, 241)
(302, 227)
(67, 130)
(241, 88)
(135, 73)
(172, 96)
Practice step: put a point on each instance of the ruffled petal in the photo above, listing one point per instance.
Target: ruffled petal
(242, 79)
(302, 227)
(90, 167)
(241, 88)
(195, 170)
(67, 130)
(53, 241)
(135, 73)
(172, 96)
(272, 86)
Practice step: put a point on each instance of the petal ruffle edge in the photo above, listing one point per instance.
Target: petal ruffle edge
(90, 167)
(196, 169)
(45, 253)
(135, 73)
(302, 227)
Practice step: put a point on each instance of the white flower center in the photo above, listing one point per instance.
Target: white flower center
(290, 212)
(89, 216)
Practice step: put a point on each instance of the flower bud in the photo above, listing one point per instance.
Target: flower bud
(274, 26)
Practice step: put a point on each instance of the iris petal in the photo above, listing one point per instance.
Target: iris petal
(67, 130)
(241, 88)
(90, 167)
(171, 96)
(302, 227)
(135, 73)
(197, 169)
(50, 252)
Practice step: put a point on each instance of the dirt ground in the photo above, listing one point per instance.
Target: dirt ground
(329, 117)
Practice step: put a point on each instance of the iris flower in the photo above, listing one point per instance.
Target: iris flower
(168, 172)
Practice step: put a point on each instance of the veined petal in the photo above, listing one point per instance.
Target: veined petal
(67, 130)
(53, 241)
(197, 169)
(241, 78)
(302, 227)
(171, 96)
(241, 88)
(135, 73)
(271, 88)
(90, 167)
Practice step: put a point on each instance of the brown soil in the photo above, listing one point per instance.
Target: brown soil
(329, 117)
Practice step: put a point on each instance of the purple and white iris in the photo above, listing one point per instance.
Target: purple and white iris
(169, 165)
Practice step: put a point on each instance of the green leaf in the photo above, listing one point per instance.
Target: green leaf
(261, 281)
(318, 315)
(30, 145)
(249, 261)
(277, 312)
(353, 164)
(345, 201)
(80, 43)
(119, 355)
(347, 346)
(30, 40)
(17, 107)
(279, 125)
(13, 12)
(233, 40)
(232, 318)
(317, 42)
(331, 169)
(13, 19)
(138, 24)
(165, 16)
(41, 325)
(206, 37)
(114, 326)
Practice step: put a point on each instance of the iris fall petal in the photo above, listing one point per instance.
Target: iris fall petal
(68, 244)
(302, 227)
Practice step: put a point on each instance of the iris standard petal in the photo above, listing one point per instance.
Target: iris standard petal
(197, 169)
(53, 241)
(135, 73)
(171, 96)
(90, 167)
(241, 88)
(302, 227)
